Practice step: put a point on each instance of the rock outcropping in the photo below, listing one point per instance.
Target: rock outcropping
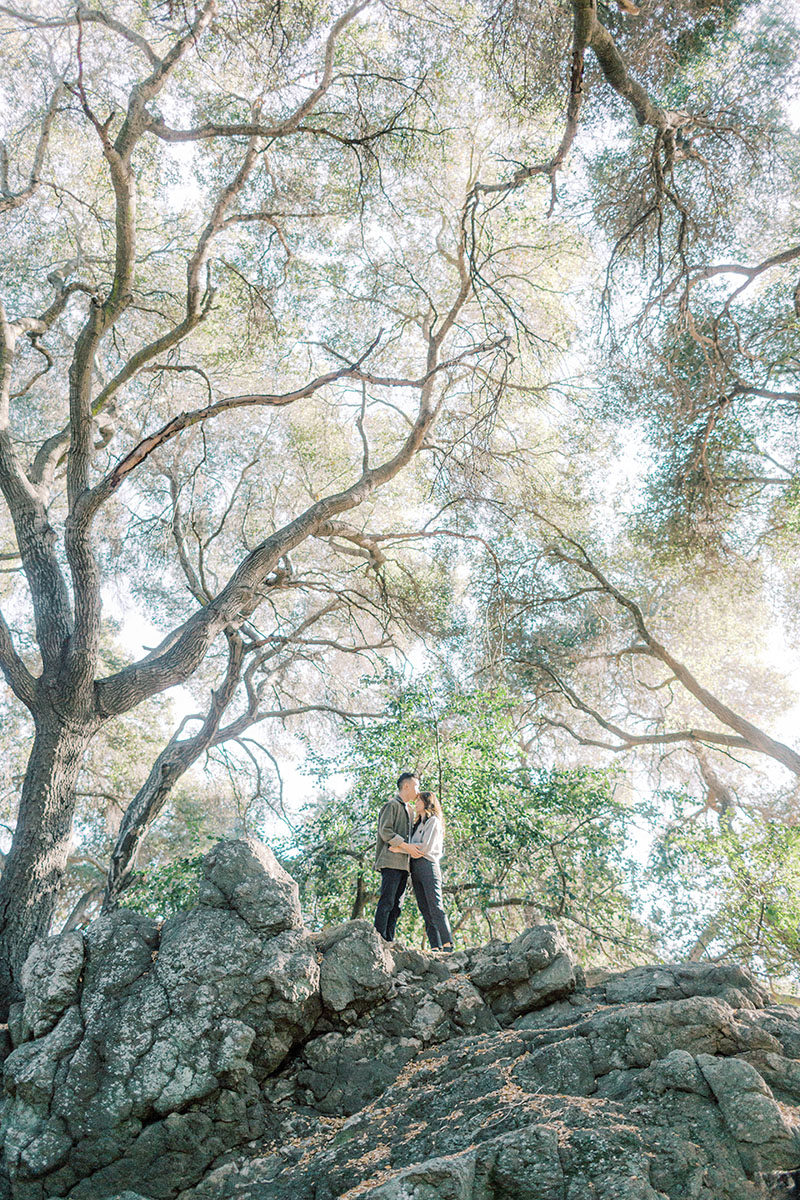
(230, 1053)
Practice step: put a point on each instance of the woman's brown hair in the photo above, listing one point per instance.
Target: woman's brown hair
(432, 806)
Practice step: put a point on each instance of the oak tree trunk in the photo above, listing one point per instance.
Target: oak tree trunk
(360, 899)
(37, 860)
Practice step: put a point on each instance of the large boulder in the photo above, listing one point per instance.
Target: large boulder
(517, 977)
(50, 978)
(245, 877)
(380, 1010)
(140, 1046)
(357, 968)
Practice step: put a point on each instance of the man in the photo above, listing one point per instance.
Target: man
(394, 826)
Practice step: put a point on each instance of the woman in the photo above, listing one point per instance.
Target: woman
(425, 852)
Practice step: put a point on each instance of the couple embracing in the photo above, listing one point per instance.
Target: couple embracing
(410, 842)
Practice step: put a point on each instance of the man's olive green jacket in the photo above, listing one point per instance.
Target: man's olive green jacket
(394, 825)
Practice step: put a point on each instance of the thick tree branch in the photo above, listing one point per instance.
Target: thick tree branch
(750, 273)
(18, 677)
(616, 72)
(82, 652)
(199, 297)
(103, 316)
(743, 389)
(173, 762)
(550, 168)
(35, 537)
(183, 650)
(590, 34)
(82, 909)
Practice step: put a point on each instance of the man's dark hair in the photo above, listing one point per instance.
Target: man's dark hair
(406, 775)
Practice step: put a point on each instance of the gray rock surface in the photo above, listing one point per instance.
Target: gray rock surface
(356, 969)
(228, 1054)
(245, 876)
(517, 977)
(49, 980)
(144, 1062)
(675, 981)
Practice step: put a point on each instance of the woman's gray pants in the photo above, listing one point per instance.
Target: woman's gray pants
(426, 880)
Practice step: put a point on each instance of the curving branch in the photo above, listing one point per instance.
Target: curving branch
(291, 123)
(173, 762)
(627, 740)
(93, 499)
(581, 30)
(86, 16)
(181, 753)
(102, 316)
(750, 273)
(749, 733)
(589, 33)
(10, 200)
(745, 735)
(615, 69)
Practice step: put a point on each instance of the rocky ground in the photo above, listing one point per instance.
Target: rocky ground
(230, 1053)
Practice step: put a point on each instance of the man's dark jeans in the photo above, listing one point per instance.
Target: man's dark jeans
(426, 878)
(393, 885)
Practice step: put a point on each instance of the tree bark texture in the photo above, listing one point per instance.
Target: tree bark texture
(36, 862)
